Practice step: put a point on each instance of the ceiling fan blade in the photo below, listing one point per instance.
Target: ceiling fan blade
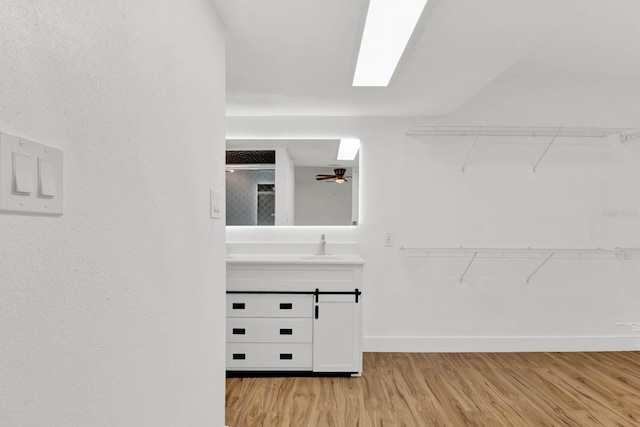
(323, 177)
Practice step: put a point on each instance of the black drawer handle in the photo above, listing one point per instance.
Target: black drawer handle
(286, 306)
(286, 356)
(238, 306)
(286, 331)
(238, 331)
(239, 356)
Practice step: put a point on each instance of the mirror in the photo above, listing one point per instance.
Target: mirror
(274, 182)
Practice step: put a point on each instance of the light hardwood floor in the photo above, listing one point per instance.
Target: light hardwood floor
(451, 389)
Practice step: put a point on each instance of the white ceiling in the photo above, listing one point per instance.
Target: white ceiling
(296, 57)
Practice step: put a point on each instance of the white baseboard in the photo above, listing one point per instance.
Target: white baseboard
(500, 344)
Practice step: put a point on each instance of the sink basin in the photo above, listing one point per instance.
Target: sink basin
(321, 257)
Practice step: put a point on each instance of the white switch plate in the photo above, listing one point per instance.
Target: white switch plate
(45, 197)
(388, 239)
(216, 204)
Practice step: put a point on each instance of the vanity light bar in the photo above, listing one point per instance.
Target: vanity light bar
(387, 30)
(348, 149)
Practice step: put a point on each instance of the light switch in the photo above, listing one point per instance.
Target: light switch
(31, 177)
(22, 174)
(216, 204)
(47, 176)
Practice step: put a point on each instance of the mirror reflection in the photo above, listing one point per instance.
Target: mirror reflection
(292, 182)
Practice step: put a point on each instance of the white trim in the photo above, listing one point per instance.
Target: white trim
(501, 343)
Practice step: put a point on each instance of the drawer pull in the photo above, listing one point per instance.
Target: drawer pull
(286, 306)
(286, 356)
(238, 306)
(239, 356)
(238, 331)
(286, 331)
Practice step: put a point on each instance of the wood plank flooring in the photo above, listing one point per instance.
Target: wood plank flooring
(450, 389)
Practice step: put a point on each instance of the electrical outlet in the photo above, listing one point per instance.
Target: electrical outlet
(388, 239)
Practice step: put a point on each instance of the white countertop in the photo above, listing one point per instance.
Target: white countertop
(294, 259)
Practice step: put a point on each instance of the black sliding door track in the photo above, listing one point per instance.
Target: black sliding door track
(316, 293)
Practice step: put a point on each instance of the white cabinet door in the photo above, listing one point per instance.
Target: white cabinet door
(336, 334)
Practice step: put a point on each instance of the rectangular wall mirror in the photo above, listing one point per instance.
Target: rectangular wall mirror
(272, 182)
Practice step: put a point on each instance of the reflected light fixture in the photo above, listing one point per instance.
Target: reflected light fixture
(348, 149)
(387, 31)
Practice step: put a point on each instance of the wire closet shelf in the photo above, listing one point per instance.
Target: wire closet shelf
(530, 253)
(553, 133)
(626, 134)
(543, 254)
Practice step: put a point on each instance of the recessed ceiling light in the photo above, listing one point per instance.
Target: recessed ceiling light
(348, 149)
(387, 30)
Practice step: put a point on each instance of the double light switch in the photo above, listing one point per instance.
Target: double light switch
(30, 176)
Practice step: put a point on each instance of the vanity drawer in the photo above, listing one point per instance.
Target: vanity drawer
(269, 330)
(252, 356)
(269, 305)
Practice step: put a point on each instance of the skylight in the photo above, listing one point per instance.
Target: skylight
(387, 30)
(348, 148)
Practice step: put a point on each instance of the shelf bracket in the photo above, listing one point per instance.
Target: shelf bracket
(475, 141)
(629, 137)
(539, 267)
(468, 266)
(546, 150)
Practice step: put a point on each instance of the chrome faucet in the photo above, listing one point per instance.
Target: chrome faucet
(322, 247)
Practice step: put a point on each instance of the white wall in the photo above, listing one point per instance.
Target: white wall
(114, 313)
(285, 187)
(322, 202)
(413, 187)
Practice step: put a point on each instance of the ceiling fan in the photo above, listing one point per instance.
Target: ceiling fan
(338, 177)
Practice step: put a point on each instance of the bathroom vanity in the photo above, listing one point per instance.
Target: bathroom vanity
(291, 314)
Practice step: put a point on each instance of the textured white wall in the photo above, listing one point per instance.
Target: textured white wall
(114, 313)
(418, 303)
